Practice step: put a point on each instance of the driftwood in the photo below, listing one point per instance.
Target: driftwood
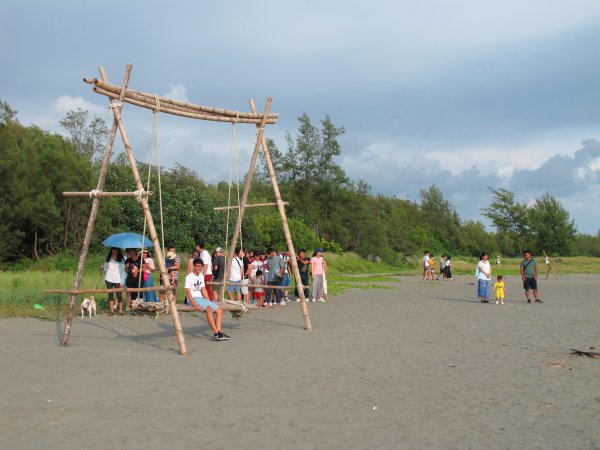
(582, 353)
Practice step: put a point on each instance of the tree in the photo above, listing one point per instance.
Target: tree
(551, 227)
(7, 114)
(441, 215)
(509, 218)
(88, 137)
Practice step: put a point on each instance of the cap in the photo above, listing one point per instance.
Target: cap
(218, 249)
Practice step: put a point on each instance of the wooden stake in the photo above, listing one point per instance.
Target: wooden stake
(151, 229)
(244, 200)
(93, 212)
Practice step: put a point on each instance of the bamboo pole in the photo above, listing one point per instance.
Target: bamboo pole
(106, 194)
(179, 111)
(151, 229)
(94, 211)
(255, 205)
(175, 104)
(107, 291)
(286, 229)
(244, 200)
(227, 307)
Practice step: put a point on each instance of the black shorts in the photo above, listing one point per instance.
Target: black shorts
(530, 283)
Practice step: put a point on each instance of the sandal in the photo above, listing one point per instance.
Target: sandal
(111, 313)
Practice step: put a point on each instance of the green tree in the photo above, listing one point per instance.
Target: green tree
(510, 219)
(88, 136)
(551, 227)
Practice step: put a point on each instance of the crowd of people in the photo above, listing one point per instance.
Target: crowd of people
(445, 266)
(260, 277)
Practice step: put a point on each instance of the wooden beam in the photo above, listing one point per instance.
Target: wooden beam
(106, 194)
(168, 103)
(255, 205)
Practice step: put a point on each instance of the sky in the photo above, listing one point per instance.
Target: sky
(464, 95)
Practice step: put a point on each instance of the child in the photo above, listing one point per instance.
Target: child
(500, 290)
(259, 293)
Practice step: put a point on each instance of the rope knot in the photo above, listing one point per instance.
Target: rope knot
(115, 105)
(157, 100)
(138, 194)
(95, 192)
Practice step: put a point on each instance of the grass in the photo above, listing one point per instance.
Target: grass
(23, 286)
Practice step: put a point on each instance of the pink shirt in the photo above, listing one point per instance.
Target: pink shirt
(317, 265)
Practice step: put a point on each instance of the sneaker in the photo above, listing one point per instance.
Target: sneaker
(528, 300)
(502, 303)
(313, 300)
(496, 302)
(322, 299)
(224, 336)
(539, 301)
(297, 299)
(218, 336)
(283, 302)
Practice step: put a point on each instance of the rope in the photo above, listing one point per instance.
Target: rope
(115, 105)
(139, 194)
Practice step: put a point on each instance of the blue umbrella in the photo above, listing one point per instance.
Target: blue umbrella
(127, 240)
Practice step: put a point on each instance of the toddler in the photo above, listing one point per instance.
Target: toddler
(500, 290)
(259, 292)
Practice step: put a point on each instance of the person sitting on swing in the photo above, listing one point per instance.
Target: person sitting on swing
(197, 296)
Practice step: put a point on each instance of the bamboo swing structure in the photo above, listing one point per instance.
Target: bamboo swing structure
(117, 96)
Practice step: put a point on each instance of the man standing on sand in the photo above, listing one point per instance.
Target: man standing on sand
(195, 292)
(529, 275)
(207, 268)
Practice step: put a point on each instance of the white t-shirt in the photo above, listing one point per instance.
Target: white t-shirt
(205, 257)
(483, 266)
(426, 261)
(237, 267)
(194, 283)
(113, 275)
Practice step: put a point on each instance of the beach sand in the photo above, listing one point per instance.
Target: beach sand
(424, 365)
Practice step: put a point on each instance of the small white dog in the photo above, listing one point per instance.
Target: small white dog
(88, 305)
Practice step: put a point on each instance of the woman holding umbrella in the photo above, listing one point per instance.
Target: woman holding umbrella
(114, 277)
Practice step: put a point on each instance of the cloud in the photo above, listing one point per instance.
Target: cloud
(177, 92)
(66, 103)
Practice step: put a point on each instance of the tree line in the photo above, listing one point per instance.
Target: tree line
(327, 208)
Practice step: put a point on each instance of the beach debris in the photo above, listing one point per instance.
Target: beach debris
(576, 352)
(555, 364)
(38, 306)
(375, 408)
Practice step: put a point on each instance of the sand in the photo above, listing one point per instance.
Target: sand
(424, 365)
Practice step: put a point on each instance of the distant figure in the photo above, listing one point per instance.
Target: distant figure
(442, 267)
(207, 267)
(132, 268)
(218, 261)
(426, 265)
(448, 271)
(498, 260)
(303, 264)
(484, 277)
(529, 275)
(259, 292)
(500, 290)
(173, 264)
(319, 270)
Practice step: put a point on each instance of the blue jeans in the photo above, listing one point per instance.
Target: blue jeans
(273, 294)
(150, 296)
